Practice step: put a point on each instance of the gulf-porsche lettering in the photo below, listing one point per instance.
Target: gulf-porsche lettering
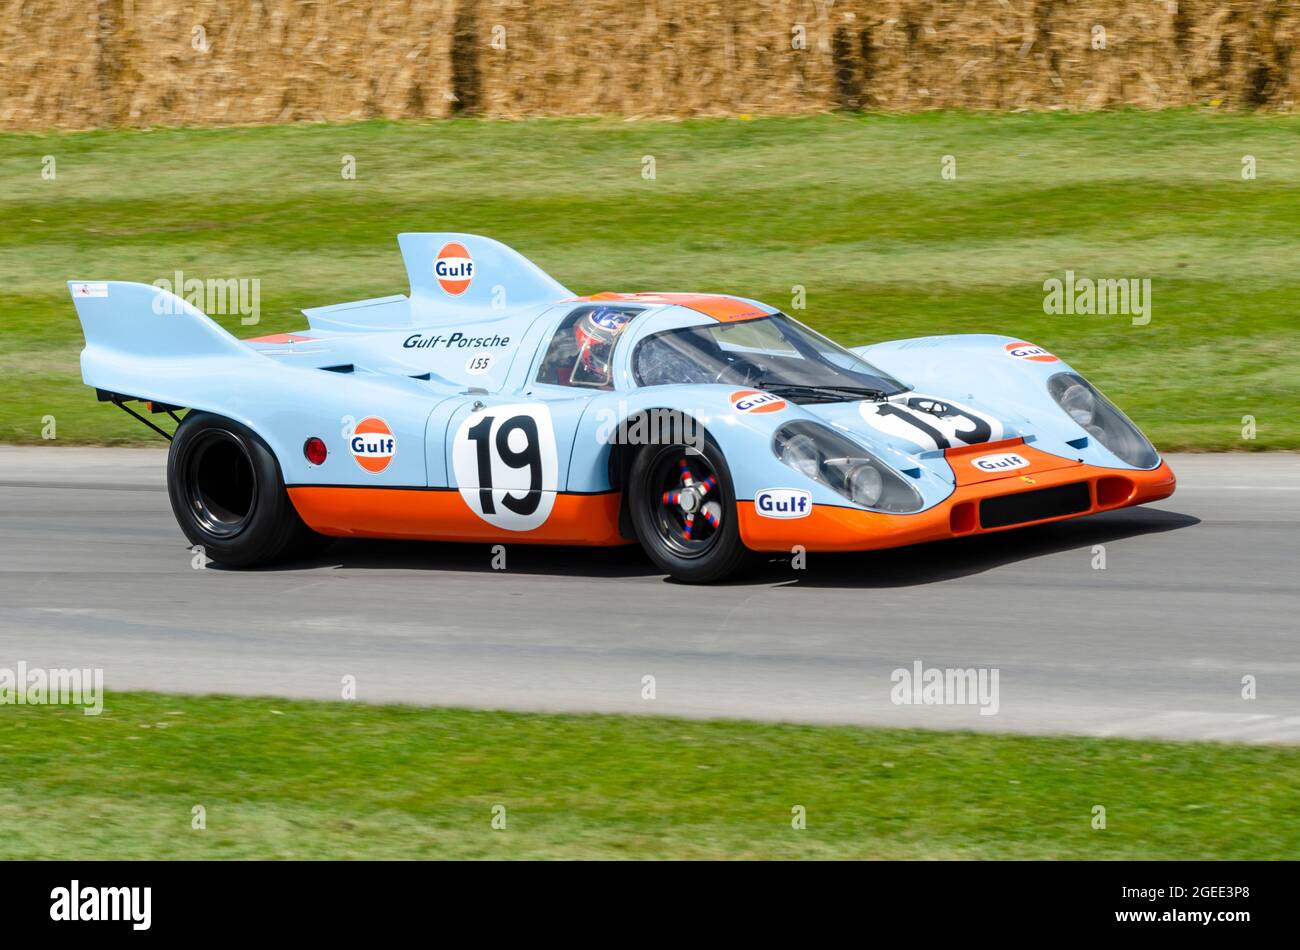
(752, 400)
(783, 503)
(1000, 462)
(453, 268)
(1027, 351)
(455, 340)
(372, 444)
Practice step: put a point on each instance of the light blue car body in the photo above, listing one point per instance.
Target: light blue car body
(146, 343)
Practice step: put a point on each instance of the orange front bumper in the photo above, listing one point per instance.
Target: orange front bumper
(834, 528)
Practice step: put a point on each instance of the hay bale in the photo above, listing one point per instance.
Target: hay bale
(286, 60)
(218, 62)
(52, 66)
(660, 57)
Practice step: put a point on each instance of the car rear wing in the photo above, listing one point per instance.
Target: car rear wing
(146, 343)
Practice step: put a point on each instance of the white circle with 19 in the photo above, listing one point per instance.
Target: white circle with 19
(505, 465)
(930, 422)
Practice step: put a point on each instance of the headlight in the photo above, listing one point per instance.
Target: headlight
(865, 484)
(1099, 417)
(838, 462)
(1078, 402)
(800, 453)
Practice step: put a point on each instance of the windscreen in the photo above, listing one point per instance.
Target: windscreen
(774, 353)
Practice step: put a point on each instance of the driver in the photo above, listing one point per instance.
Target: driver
(596, 334)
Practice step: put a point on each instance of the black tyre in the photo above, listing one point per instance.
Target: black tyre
(228, 495)
(683, 509)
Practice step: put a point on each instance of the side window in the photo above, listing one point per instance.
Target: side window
(581, 352)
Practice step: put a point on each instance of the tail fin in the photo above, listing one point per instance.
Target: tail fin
(465, 274)
(141, 340)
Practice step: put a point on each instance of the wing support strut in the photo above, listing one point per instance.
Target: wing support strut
(121, 401)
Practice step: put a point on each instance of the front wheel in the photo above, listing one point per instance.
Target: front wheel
(683, 508)
(229, 497)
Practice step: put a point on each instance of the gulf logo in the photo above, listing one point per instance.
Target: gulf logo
(751, 400)
(454, 268)
(373, 444)
(1027, 351)
(1002, 461)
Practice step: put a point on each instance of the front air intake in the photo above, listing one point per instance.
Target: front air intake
(1024, 507)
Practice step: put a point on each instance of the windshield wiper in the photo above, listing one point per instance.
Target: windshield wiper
(796, 389)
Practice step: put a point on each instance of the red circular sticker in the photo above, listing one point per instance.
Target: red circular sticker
(454, 268)
(753, 400)
(373, 444)
(1027, 351)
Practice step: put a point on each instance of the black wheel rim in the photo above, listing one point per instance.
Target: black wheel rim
(220, 487)
(685, 497)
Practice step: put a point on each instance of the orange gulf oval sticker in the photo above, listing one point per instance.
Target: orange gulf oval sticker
(454, 268)
(373, 444)
(1027, 351)
(753, 400)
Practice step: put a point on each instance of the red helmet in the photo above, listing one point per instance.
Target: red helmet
(596, 334)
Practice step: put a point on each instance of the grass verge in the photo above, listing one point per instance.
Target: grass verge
(282, 779)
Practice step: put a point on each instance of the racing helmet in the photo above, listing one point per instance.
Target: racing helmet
(596, 333)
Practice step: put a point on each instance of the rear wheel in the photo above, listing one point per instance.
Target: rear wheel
(684, 511)
(229, 497)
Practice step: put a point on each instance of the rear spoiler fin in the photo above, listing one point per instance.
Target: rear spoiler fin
(451, 276)
(144, 343)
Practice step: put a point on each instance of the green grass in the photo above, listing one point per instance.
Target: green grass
(852, 208)
(282, 779)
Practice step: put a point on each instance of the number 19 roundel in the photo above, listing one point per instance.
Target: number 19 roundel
(505, 465)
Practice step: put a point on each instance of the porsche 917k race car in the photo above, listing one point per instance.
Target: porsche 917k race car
(491, 404)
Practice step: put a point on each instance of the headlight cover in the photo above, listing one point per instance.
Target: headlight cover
(825, 456)
(1099, 417)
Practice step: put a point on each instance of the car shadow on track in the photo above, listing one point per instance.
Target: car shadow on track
(961, 557)
(897, 567)
(476, 558)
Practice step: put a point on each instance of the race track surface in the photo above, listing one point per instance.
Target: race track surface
(1199, 591)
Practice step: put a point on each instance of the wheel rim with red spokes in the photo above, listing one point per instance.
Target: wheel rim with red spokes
(687, 500)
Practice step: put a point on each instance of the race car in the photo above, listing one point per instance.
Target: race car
(492, 404)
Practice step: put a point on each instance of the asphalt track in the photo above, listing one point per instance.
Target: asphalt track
(1198, 592)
